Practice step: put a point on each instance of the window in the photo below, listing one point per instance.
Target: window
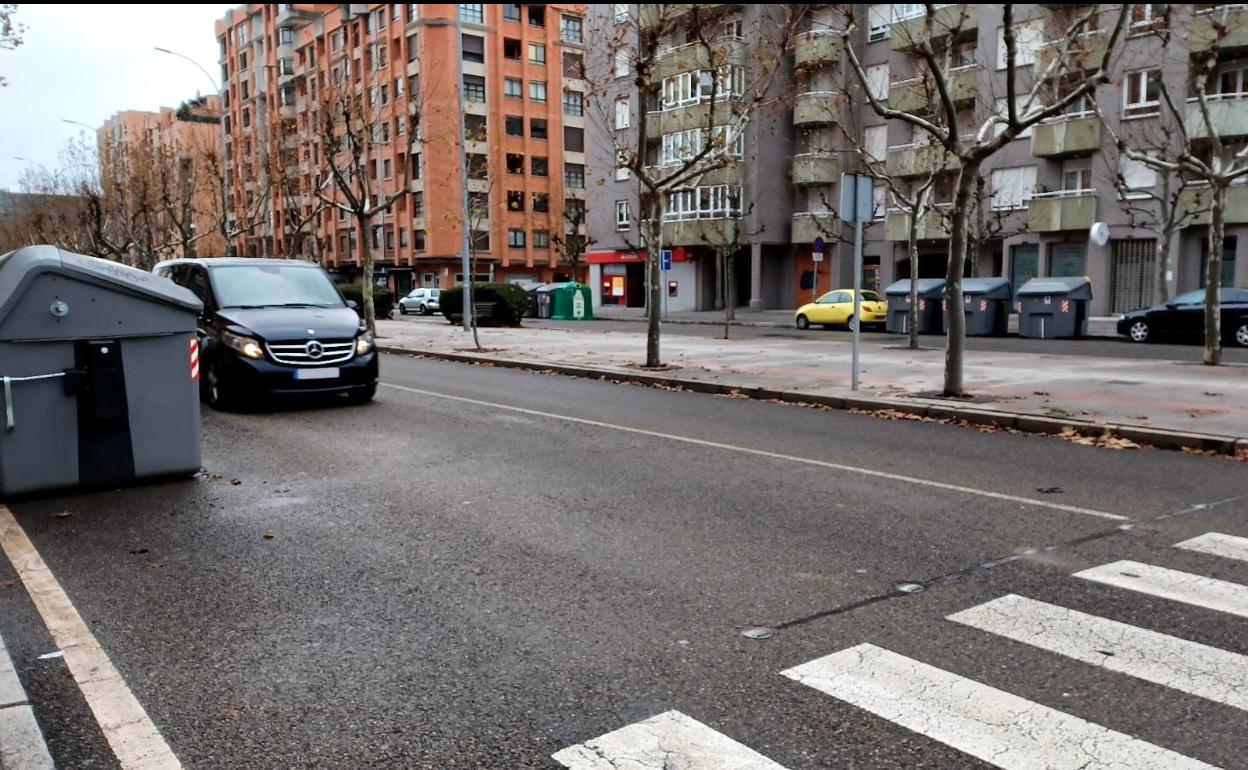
(400, 126)
(875, 141)
(621, 112)
(479, 203)
(474, 48)
(537, 16)
(511, 11)
(245, 88)
(1012, 188)
(879, 200)
(878, 23)
(540, 166)
(474, 88)
(1077, 175)
(418, 205)
(573, 139)
(877, 81)
(385, 94)
(623, 216)
(573, 103)
(515, 238)
(389, 240)
(246, 117)
(1068, 259)
(413, 50)
(621, 13)
(398, 87)
(1233, 81)
(537, 128)
(574, 176)
(377, 236)
(285, 36)
(515, 200)
(541, 239)
(387, 168)
(473, 13)
(537, 53)
(1029, 37)
(403, 237)
(706, 202)
(335, 41)
(1147, 16)
(242, 60)
(1138, 178)
(730, 28)
(416, 165)
(515, 163)
(512, 48)
(515, 125)
(1141, 94)
(903, 11)
(379, 19)
(573, 65)
(622, 173)
(513, 88)
(541, 203)
(537, 91)
(621, 62)
(571, 29)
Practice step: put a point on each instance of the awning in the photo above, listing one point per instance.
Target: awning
(679, 254)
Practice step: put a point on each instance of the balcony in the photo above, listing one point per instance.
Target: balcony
(1054, 212)
(1202, 35)
(1228, 113)
(1194, 202)
(816, 108)
(817, 49)
(919, 96)
(1068, 136)
(695, 115)
(813, 168)
(1085, 54)
(933, 225)
(651, 14)
(695, 56)
(703, 232)
(959, 18)
(289, 15)
(809, 225)
(908, 160)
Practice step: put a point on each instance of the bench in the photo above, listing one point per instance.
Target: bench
(482, 311)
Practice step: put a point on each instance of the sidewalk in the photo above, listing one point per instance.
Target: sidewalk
(1102, 326)
(21, 742)
(1158, 402)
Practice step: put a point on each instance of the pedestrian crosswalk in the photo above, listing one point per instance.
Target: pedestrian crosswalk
(979, 720)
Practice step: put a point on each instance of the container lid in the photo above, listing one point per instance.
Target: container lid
(926, 286)
(997, 288)
(1075, 286)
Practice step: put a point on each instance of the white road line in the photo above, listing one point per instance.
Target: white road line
(1204, 592)
(982, 721)
(1193, 668)
(669, 740)
(1218, 544)
(135, 741)
(773, 455)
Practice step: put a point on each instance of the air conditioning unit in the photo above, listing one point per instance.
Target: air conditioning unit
(876, 34)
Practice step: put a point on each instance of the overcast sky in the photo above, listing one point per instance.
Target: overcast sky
(85, 62)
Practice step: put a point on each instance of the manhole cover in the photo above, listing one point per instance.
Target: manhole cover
(758, 632)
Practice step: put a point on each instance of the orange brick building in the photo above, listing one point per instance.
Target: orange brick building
(522, 103)
(177, 149)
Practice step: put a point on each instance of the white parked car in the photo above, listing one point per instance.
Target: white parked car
(423, 301)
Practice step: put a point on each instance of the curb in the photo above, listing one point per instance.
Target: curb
(22, 746)
(1020, 421)
(777, 325)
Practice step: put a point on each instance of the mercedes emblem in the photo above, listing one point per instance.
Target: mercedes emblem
(315, 350)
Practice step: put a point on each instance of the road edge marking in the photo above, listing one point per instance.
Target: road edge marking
(772, 455)
(133, 737)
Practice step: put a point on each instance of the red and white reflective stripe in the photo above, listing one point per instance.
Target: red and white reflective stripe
(195, 359)
(1065, 306)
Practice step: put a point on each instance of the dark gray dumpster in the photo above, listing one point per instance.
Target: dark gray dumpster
(531, 290)
(99, 365)
(931, 290)
(986, 306)
(546, 299)
(1054, 307)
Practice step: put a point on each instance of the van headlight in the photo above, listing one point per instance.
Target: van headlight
(363, 344)
(249, 347)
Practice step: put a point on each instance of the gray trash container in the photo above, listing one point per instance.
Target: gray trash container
(532, 292)
(546, 299)
(986, 306)
(931, 291)
(98, 373)
(1054, 307)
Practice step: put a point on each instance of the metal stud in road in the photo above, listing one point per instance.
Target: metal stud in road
(759, 632)
(857, 202)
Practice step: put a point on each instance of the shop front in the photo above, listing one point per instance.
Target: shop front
(618, 279)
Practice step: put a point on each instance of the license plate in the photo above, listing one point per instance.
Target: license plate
(317, 374)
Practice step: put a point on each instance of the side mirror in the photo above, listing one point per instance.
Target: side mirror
(353, 304)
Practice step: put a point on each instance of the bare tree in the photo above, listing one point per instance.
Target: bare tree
(572, 244)
(10, 31)
(946, 125)
(296, 184)
(1197, 153)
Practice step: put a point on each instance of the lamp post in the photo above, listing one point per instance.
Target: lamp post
(229, 246)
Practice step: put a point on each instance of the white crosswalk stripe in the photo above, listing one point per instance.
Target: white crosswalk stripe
(982, 721)
(669, 741)
(1193, 668)
(1209, 593)
(1218, 544)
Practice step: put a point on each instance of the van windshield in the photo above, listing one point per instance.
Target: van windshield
(273, 286)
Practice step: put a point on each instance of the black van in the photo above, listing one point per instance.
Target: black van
(274, 327)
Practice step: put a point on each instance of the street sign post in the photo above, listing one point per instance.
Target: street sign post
(857, 202)
(816, 255)
(665, 266)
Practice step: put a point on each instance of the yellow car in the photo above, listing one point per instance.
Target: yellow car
(836, 307)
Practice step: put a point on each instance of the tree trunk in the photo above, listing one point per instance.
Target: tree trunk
(366, 270)
(729, 290)
(1213, 278)
(654, 287)
(955, 343)
(913, 245)
(721, 292)
(1161, 289)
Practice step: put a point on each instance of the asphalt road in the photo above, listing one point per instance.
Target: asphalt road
(485, 567)
(1098, 346)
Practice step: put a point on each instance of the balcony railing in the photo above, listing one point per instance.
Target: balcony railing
(817, 49)
(1060, 210)
(1084, 53)
(1228, 114)
(1203, 33)
(816, 108)
(910, 32)
(816, 168)
(1067, 135)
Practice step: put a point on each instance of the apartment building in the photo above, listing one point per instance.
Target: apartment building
(175, 152)
(1041, 193)
(510, 72)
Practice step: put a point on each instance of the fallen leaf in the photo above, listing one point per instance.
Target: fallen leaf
(137, 551)
(235, 482)
(1050, 490)
(63, 515)
(6, 584)
(268, 535)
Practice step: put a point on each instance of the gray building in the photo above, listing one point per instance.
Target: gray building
(1041, 193)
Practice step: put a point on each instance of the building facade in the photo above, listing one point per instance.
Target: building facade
(504, 70)
(1041, 193)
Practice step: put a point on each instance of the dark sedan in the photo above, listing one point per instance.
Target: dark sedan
(1184, 318)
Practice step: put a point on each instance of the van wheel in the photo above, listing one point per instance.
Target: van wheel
(363, 395)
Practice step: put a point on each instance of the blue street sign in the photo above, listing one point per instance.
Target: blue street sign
(818, 244)
(665, 260)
